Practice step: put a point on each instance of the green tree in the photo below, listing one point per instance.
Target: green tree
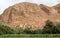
(58, 27)
(50, 28)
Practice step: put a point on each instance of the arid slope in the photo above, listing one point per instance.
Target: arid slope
(24, 14)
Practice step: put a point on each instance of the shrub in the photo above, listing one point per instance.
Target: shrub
(37, 31)
(19, 30)
(27, 30)
(5, 29)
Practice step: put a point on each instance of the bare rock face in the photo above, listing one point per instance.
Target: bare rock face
(52, 13)
(24, 14)
(57, 7)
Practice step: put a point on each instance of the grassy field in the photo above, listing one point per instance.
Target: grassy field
(30, 36)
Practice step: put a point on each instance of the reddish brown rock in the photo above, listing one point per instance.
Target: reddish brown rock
(57, 7)
(23, 14)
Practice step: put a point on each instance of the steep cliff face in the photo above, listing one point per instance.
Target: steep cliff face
(23, 14)
(52, 13)
(57, 7)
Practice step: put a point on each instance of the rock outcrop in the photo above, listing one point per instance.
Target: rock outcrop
(57, 7)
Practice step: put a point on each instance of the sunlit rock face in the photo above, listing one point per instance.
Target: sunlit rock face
(52, 13)
(24, 14)
(57, 7)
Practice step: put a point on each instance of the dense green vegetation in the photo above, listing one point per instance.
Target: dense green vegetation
(5, 29)
(30, 36)
(49, 28)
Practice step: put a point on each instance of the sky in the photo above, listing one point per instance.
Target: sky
(6, 3)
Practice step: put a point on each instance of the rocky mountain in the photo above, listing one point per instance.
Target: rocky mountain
(57, 7)
(52, 13)
(24, 14)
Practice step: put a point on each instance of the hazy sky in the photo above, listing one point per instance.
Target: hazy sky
(6, 3)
